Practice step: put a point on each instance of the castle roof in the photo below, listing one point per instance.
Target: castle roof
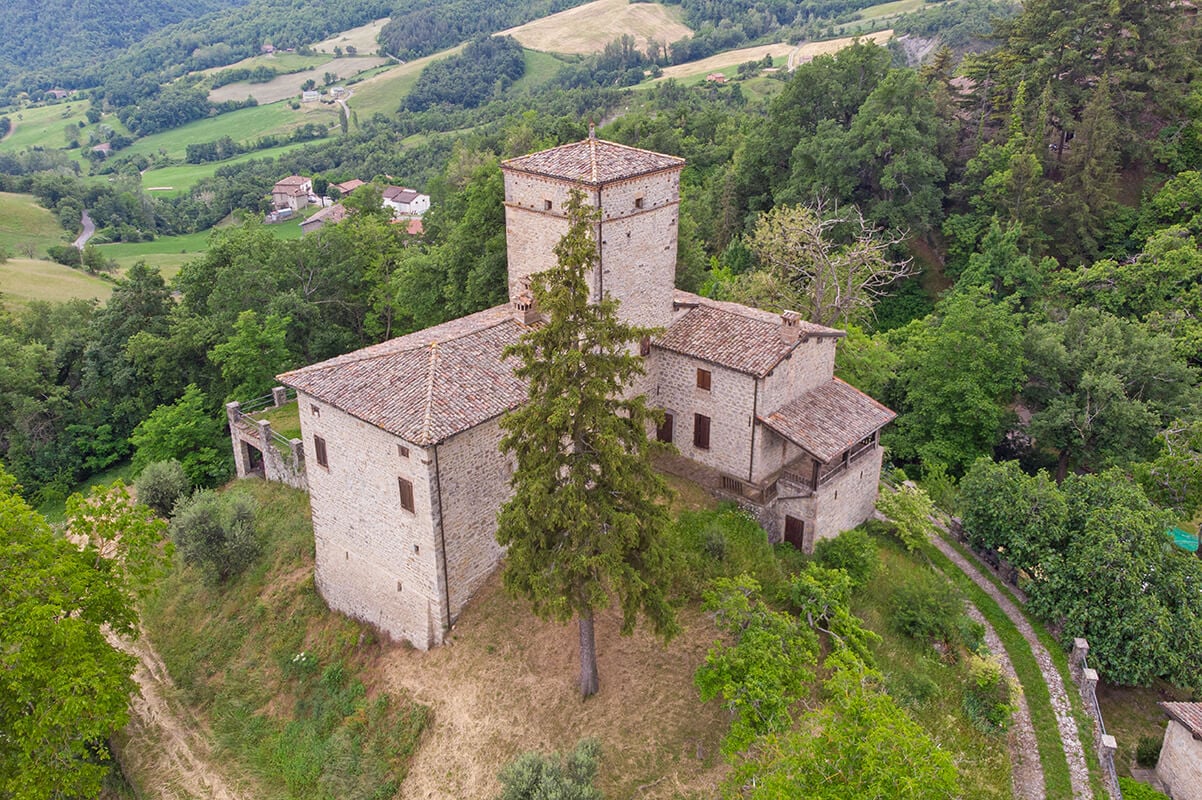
(593, 162)
(828, 420)
(733, 335)
(427, 386)
(1188, 714)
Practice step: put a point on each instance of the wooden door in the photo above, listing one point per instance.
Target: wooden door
(795, 532)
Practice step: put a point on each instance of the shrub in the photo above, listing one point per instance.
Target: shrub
(723, 543)
(851, 551)
(161, 485)
(532, 776)
(1147, 752)
(909, 509)
(926, 608)
(1134, 790)
(216, 533)
(989, 699)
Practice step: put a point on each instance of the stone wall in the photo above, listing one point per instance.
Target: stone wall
(849, 498)
(728, 404)
(1180, 765)
(280, 460)
(376, 561)
(810, 365)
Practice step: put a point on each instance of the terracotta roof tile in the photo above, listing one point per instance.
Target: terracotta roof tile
(593, 162)
(739, 337)
(828, 420)
(427, 386)
(1188, 714)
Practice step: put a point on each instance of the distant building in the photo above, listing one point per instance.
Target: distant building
(716, 77)
(346, 187)
(267, 49)
(292, 192)
(337, 91)
(327, 216)
(310, 96)
(59, 94)
(405, 202)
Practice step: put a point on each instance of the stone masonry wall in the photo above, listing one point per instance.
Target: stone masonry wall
(810, 365)
(531, 229)
(1180, 765)
(728, 404)
(474, 480)
(375, 561)
(850, 497)
(772, 453)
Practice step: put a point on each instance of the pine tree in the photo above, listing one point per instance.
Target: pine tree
(585, 521)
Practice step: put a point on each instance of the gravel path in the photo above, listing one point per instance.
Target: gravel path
(1027, 772)
(1071, 741)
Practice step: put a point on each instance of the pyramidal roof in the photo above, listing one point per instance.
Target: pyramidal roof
(593, 162)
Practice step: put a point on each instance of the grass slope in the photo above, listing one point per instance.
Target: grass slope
(365, 38)
(24, 279)
(798, 55)
(169, 253)
(587, 28)
(26, 228)
(383, 93)
(181, 178)
(244, 125)
(42, 125)
(280, 679)
(285, 86)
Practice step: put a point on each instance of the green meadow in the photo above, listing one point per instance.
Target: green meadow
(27, 229)
(169, 253)
(25, 279)
(243, 126)
(181, 178)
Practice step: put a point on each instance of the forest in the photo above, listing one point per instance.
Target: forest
(1008, 232)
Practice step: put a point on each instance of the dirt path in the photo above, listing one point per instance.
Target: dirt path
(165, 748)
(1026, 770)
(1069, 737)
(89, 228)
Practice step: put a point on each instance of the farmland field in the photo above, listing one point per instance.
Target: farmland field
(43, 125)
(587, 28)
(166, 181)
(797, 55)
(244, 125)
(280, 62)
(285, 86)
(362, 39)
(383, 92)
(169, 253)
(24, 279)
(25, 225)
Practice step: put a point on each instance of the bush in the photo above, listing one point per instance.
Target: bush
(851, 551)
(532, 776)
(1134, 790)
(909, 509)
(926, 608)
(216, 533)
(1147, 752)
(723, 543)
(989, 699)
(161, 485)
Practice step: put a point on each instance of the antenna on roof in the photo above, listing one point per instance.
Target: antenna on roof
(592, 130)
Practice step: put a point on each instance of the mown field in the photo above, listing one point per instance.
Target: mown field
(285, 86)
(169, 253)
(588, 28)
(182, 177)
(364, 39)
(27, 229)
(243, 126)
(383, 93)
(25, 279)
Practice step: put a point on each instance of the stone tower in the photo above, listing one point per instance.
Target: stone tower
(638, 192)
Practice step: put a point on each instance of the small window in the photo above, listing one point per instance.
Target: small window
(406, 494)
(319, 450)
(703, 379)
(402, 451)
(548, 205)
(701, 432)
(314, 410)
(638, 202)
(645, 346)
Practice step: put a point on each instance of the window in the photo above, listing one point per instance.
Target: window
(638, 202)
(701, 432)
(406, 494)
(664, 431)
(703, 379)
(319, 450)
(314, 410)
(402, 451)
(645, 346)
(548, 205)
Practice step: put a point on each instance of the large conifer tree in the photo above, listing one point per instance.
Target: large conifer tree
(588, 511)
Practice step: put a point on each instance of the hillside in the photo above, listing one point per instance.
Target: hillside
(588, 28)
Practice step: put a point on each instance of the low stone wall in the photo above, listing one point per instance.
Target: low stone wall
(1087, 681)
(280, 460)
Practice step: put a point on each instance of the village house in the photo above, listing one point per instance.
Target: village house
(1180, 764)
(405, 202)
(292, 193)
(326, 216)
(346, 187)
(401, 439)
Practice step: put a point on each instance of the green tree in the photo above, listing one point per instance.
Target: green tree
(588, 513)
(253, 355)
(66, 689)
(859, 746)
(189, 432)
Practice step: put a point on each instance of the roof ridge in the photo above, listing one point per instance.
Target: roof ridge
(428, 420)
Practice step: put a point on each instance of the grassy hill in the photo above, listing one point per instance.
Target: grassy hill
(27, 229)
(588, 28)
(24, 279)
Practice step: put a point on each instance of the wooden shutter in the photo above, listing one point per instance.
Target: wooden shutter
(703, 379)
(664, 431)
(406, 494)
(701, 432)
(319, 449)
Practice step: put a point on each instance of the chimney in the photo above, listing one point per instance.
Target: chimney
(790, 327)
(523, 308)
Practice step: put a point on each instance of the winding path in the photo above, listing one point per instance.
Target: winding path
(1069, 737)
(89, 228)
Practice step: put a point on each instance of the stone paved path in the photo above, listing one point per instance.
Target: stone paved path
(1071, 741)
(1026, 769)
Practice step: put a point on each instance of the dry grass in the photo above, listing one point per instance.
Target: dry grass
(505, 684)
(797, 55)
(285, 86)
(588, 28)
(365, 38)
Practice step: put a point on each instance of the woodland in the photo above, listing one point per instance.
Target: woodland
(1008, 232)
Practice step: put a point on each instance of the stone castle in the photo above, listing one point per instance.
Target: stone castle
(400, 439)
